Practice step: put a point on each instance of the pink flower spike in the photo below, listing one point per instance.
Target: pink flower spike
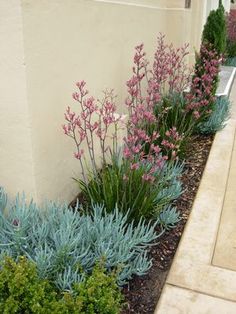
(79, 154)
(134, 166)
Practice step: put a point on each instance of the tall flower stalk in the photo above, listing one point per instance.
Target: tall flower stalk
(94, 122)
(148, 138)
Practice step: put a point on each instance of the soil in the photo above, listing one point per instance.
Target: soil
(142, 293)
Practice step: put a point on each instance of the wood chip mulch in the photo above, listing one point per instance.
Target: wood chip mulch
(142, 293)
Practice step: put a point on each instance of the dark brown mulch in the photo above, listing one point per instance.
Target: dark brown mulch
(142, 293)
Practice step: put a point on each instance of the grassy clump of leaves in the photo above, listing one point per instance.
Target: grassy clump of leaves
(118, 184)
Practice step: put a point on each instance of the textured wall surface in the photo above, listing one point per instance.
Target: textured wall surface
(69, 41)
(16, 163)
(59, 43)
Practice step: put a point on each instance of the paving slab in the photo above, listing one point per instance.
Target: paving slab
(225, 249)
(181, 301)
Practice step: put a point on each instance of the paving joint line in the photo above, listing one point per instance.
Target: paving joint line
(200, 292)
(225, 191)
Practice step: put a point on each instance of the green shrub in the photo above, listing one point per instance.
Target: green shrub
(99, 293)
(66, 244)
(22, 291)
(218, 117)
(214, 31)
(172, 113)
(125, 186)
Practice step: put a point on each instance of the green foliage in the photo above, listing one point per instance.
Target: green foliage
(231, 62)
(23, 291)
(231, 49)
(172, 113)
(218, 117)
(66, 244)
(119, 184)
(214, 31)
(100, 293)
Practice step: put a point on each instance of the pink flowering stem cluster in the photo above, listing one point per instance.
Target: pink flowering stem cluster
(204, 83)
(145, 90)
(94, 122)
(170, 70)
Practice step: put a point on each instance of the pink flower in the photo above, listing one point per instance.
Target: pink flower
(65, 129)
(79, 154)
(134, 166)
(196, 114)
(76, 96)
(127, 153)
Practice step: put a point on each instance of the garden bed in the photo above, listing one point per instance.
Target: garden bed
(135, 196)
(143, 293)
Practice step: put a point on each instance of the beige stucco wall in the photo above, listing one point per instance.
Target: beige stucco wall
(60, 43)
(150, 3)
(16, 162)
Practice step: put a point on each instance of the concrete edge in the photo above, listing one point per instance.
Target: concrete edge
(228, 85)
(192, 267)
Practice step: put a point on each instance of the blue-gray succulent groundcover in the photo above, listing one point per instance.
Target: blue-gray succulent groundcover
(66, 244)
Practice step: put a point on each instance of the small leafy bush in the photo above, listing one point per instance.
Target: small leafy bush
(218, 117)
(23, 291)
(129, 185)
(65, 244)
(99, 293)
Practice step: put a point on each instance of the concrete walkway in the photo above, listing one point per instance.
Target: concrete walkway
(202, 279)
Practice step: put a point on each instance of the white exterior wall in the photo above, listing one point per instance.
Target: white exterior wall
(213, 4)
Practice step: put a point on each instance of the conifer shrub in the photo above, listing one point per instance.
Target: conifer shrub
(214, 31)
